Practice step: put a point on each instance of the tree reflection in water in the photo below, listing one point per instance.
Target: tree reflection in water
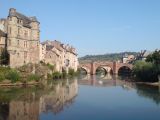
(29, 103)
(151, 92)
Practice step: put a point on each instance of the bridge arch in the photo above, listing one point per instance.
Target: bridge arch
(83, 68)
(106, 68)
(124, 69)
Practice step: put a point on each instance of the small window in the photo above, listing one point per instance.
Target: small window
(17, 42)
(26, 34)
(10, 30)
(18, 31)
(9, 43)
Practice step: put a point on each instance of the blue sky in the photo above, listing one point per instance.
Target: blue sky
(95, 26)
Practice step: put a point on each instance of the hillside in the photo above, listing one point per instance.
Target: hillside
(105, 57)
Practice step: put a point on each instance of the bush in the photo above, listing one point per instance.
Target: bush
(71, 72)
(56, 75)
(4, 58)
(4, 70)
(13, 75)
(2, 77)
(145, 71)
(64, 74)
(51, 67)
(33, 77)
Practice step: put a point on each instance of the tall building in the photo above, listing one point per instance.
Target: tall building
(22, 38)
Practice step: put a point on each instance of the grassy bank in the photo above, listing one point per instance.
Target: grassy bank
(32, 74)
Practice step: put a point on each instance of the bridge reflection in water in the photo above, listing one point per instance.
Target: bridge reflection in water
(105, 80)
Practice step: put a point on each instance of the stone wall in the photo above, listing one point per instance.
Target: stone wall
(22, 39)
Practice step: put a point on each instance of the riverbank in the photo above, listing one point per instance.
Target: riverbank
(19, 84)
(150, 84)
(31, 74)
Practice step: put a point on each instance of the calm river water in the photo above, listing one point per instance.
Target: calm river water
(84, 98)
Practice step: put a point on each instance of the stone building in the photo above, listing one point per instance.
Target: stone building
(60, 55)
(128, 58)
(42, 52)
(22, 38)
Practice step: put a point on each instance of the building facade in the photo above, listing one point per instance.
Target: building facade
(2, 41)
(22, 39)
(60, 55)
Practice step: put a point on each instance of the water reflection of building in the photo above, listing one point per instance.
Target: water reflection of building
(23, 110)
(56, 100)
(29, 105)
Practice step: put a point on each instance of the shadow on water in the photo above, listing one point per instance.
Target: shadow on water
(151, 92)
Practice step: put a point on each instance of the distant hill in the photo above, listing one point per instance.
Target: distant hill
(105, 57)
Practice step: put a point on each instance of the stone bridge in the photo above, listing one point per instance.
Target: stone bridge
(108, 66)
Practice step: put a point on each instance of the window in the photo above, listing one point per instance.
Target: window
(18, 20)
(10, 30)
(17, 42)
(18, 31)
(9, 43)
(10, 19)
(26, 34)
(25, 55)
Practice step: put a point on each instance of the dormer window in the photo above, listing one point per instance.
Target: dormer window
(19, 21)
(10, 18)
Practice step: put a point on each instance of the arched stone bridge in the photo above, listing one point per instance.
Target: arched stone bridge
(91, 68)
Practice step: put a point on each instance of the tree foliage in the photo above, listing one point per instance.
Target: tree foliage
(154, 58)
(4, 57)
(149, 70)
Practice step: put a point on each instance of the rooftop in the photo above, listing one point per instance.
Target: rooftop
(26, 20)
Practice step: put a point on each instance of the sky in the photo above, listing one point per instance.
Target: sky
(95, 26)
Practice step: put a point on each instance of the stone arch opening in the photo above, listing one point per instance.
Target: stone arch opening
(83, 71)
(124, 70)
(103, 70)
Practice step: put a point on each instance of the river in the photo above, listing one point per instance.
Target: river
(82, 98)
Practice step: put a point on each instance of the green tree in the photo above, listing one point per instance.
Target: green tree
(154, 58)
(145, 71)
(4, 57)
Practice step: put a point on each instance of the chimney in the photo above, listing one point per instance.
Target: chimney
(12, 10)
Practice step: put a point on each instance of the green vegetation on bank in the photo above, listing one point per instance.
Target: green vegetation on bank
(9, 74)
(4, 57)
(33, 72)
(148, 71)
(58, 75)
